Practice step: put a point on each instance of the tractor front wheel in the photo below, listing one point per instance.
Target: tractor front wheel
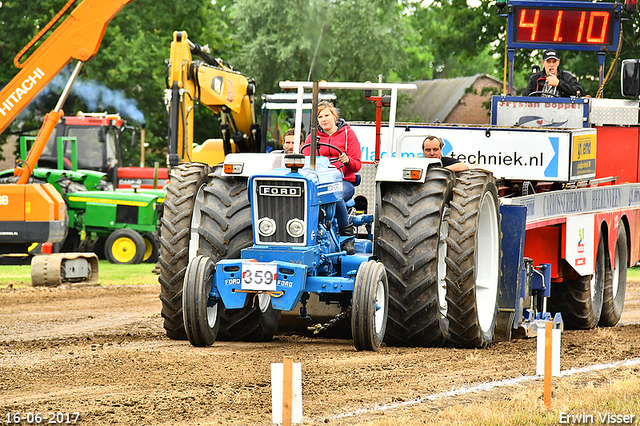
(221, 227)
(174, 239)
(151, 247)
(201, 315)
(369, 306)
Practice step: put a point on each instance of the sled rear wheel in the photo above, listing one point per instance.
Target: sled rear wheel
(580, 300)
(615, 281)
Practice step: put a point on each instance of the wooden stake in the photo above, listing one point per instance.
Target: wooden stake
(287, 390)
(547, 363)
(142, 136)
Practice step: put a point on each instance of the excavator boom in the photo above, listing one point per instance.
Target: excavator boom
(36, 212)
(78, 37)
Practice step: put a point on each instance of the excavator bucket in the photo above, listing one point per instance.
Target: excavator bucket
(64, 268)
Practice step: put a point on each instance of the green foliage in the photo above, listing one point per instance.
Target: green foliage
(318, 40)
(19, 23)
(458, 37)
(130, 63)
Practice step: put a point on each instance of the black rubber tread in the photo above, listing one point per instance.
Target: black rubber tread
(225, 229)
(152, 238)
(136, 239)
(174, 242)
(407, 245)
(364, 306)
(462, 251)
(197, 286)
(612, 307)
(572, 298)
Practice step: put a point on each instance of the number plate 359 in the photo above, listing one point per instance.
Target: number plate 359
(259, 276)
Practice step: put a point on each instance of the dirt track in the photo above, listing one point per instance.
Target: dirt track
(102, 352)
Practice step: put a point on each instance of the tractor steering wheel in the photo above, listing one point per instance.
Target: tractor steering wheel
(542, 92)
(331, 159)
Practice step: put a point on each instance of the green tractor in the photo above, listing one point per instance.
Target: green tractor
(119, 225)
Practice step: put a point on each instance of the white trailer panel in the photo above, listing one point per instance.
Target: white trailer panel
(514, 154)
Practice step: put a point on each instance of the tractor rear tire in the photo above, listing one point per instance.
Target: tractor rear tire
(473, 260)
(222, 218)
(369, 306)
(175, 226)
(580, 300)
(615, 281)
(410, 217)
(201, 321)
(125, 247)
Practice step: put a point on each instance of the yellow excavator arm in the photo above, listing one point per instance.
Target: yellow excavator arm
(210, 83)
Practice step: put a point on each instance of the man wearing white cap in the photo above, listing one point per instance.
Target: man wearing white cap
(551, 81)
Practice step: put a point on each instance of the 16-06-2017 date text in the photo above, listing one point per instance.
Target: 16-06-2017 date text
(38, 418)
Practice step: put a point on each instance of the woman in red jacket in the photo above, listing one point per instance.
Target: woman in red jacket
(336, 132)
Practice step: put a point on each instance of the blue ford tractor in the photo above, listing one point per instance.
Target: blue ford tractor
(296, 251)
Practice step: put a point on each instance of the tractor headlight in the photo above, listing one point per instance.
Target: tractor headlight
(266, 227)
(295, 228)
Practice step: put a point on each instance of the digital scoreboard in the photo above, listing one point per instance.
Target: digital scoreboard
(573, 25)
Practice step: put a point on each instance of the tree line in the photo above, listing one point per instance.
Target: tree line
(274, 40)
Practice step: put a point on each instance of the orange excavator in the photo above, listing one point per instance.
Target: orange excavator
(34, 212)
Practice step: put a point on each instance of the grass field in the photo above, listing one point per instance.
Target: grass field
(592, 399)
(108, 274)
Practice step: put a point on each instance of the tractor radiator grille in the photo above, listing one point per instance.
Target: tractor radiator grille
(281, 200)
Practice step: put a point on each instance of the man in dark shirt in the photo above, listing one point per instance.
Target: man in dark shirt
(432, 148)
(552, 81)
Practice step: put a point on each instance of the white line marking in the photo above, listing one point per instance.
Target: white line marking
(486, 387)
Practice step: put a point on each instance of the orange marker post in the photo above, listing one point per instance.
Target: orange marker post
(547, 363)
